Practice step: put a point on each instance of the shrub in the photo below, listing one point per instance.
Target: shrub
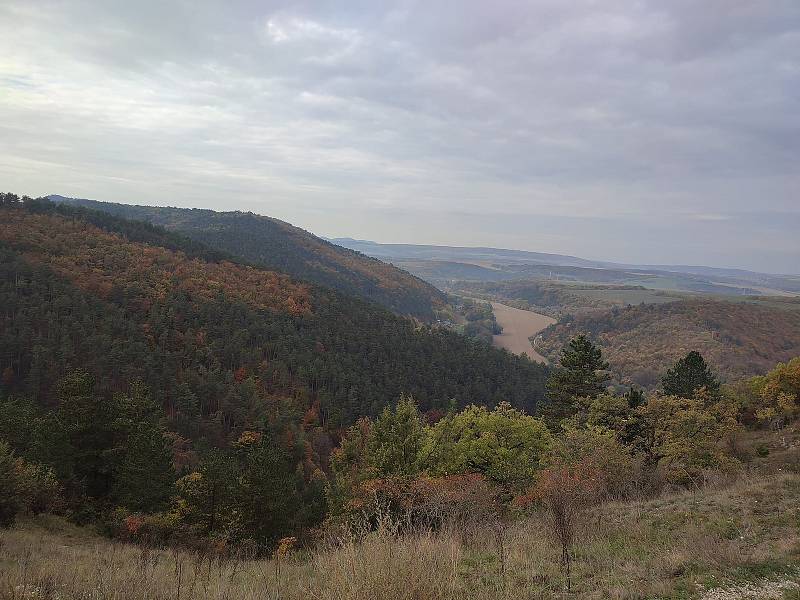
(426, 502)
(617, 472)
(24, 487)
(37, 486)
(686, 438)
(10, 500)
(504, 445)
(566, 491)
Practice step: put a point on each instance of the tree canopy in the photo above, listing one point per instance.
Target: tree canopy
(581, 374)
(688, 375)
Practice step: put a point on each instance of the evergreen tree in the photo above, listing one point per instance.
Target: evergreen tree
(143, 475)
(267, 496)
(635, 397)
(144, 478)
(188, 410)
(205, 496)
(688, 375)
(396, 440)
(88, 420)
(581, 374)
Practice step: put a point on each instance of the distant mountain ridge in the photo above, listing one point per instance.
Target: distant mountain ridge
(433, 252)
(441, 263)
(278, 245)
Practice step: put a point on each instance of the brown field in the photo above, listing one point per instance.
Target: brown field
(518, 326)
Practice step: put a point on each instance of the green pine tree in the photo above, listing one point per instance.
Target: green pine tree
(267, 495)
(143, 473)
(205, 496)
(688, 375)
(10, 501)
(89, 420)
(144, 478)
(581, 374)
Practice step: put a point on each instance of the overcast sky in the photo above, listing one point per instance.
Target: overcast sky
(650, 131)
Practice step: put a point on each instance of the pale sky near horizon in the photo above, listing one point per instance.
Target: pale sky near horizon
(632, 131)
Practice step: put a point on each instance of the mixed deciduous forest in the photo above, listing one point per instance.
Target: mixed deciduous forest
(277, 245)
(739, 339)
(97, 309)
(230, 431)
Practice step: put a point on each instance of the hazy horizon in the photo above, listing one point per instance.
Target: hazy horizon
(629, 132)
(334, 239)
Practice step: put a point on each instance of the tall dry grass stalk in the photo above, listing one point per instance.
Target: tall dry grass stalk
(640, 549)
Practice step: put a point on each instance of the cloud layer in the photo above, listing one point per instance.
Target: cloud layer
(633, 131)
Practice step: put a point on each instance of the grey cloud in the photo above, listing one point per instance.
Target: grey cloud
(330, 114)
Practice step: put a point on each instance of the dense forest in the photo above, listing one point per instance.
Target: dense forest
(282, 247)
(189, 309)
(113, 331)
(739, 339)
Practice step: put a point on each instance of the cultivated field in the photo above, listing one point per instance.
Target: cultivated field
(518, 326)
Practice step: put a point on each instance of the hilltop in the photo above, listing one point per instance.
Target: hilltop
(170, 396)
(721, 542)
(280, 246)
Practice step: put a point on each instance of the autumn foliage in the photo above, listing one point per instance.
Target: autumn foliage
(738, 339)
(104, 263)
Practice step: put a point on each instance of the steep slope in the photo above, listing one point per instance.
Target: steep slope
(280, 246)
(220, 343)
(641, 342)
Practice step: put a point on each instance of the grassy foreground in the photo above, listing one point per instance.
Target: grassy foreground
(741, 541)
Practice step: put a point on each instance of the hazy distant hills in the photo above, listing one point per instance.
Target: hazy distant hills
(280, 246)
(444, 264)
(460, 253)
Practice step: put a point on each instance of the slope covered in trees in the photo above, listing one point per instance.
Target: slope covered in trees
(280, 246)
(641, 342)
(78, 289)
(131, 357)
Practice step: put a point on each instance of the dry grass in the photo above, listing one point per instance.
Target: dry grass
(677, 546)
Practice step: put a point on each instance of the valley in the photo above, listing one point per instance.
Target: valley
(399, 300)
(643, 317)
(231, 420)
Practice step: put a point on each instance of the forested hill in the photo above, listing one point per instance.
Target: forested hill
(280, 246)
(221, 345)
(739, 339)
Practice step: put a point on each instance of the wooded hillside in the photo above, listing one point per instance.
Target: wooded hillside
(739, 339)
(280, 246)
(218, 342)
